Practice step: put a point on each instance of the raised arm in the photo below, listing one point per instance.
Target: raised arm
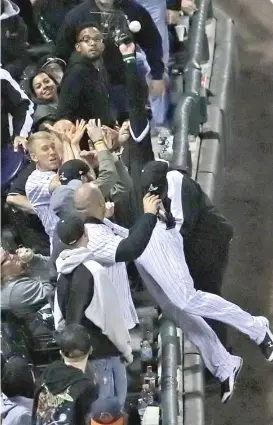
(150, 41)
(137, 94)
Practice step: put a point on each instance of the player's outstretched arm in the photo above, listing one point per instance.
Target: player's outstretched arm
(133, 246)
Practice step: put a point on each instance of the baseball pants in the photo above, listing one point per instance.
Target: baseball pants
(188, 315)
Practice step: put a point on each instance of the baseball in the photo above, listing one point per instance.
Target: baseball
(135, 26)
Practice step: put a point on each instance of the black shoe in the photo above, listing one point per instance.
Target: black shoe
(228, 386)
(267, 346)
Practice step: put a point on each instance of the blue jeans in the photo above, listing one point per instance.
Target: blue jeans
(111, 377)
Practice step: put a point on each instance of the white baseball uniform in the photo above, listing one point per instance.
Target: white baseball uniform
(165, 273)
(103, 243)
(163, 265)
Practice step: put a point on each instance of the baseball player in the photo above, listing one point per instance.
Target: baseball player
(165, 273)
(206, 232)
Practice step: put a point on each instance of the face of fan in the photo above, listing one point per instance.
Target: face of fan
(105, 5)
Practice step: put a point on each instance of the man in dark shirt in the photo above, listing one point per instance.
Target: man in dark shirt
(84, 90)
(109, 15)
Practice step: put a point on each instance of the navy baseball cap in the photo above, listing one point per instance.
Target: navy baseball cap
(154, 177)
(70, 229)
(72, 170)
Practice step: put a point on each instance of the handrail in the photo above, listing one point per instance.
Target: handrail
(198, 41)
(186, 109)
(190, 111)
(169, 396)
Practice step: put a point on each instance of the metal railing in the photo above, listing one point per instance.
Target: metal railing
(169, 358)
(191, 109)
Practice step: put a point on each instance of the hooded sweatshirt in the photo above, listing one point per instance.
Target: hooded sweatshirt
(64, 390)
(86, 295)
(16, 410)
(84, 91)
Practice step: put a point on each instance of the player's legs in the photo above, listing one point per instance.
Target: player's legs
(217, 308)
(216, 358)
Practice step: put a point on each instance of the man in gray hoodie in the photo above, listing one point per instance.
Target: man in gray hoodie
(85, 295)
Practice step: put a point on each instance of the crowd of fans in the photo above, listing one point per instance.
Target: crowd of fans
(87, 210)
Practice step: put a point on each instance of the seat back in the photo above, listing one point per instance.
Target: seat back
(13, 341)
(11, 163)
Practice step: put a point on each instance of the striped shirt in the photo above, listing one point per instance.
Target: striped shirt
(38, 194)
(164, 262)
(103, 242)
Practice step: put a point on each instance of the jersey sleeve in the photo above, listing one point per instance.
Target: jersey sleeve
(118, 230)
(103, 243)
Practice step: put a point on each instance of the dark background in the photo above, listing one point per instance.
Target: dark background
(247, 200)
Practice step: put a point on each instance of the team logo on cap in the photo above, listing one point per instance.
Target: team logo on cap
(62, 177)
(152, 188)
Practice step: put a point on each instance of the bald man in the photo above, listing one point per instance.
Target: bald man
(114, 252)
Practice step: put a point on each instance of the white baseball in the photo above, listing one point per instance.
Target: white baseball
(135, 26)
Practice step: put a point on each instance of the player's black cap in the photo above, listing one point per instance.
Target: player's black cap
(154, 177)
(72, 170)
(70, 229)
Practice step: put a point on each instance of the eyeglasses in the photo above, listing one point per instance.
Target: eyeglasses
(88, 40)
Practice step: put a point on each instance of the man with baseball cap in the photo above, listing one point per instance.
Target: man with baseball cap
(165, 273)
(71, 174)
(206, 233)
(86, 295)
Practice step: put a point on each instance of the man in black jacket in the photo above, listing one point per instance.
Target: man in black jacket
(148, 37)
(14, 101)
(84, 90)
(66, 394)
(86, 295)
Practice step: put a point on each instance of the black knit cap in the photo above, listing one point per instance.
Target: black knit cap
(70, 229)
(72, 170)
(154, 177)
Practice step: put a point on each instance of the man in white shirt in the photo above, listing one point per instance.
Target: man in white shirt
(163, 268)
(44, 180)
(108, 245)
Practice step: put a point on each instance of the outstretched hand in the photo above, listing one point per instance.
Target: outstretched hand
(94, 130)
(80, 130)
(63, 136)
(127, 49)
